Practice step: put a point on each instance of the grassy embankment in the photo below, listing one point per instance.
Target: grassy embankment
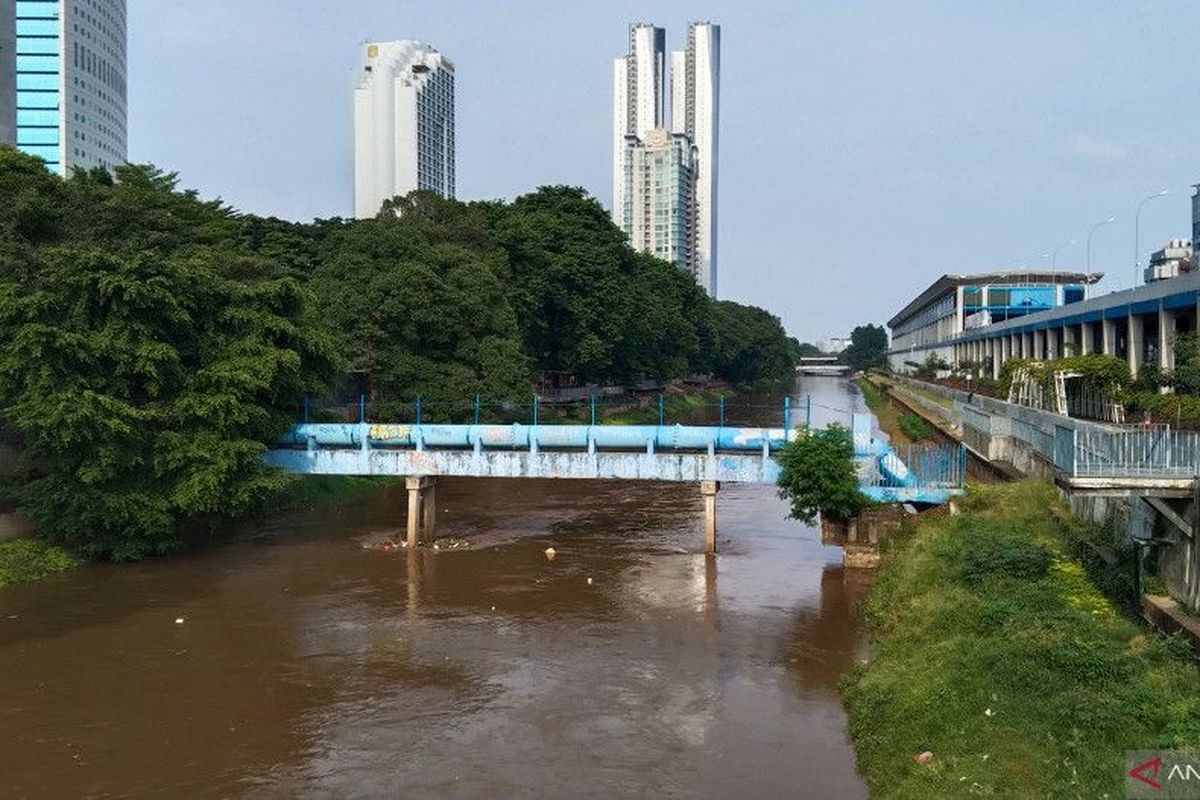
(995, 652)
(903, 427)
(676, 407)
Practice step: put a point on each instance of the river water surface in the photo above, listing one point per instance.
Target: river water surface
(307, 665)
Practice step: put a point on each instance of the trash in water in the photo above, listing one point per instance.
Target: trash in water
(551, 553)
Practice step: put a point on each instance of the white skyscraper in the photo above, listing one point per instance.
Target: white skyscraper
(700, 107)
(403, 124)
(639, 107)
(70, 81)
(639, 99)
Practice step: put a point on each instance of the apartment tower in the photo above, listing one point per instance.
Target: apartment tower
(665, 166)
(403, 124)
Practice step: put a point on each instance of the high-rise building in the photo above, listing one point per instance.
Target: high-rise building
(686, 149)
(403, 124)
(700, 86)
(70, 82)
(8, 73)
(639, 99)
(658, 213)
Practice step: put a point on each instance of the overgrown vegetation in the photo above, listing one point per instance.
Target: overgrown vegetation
(995, 652)
(152, 344)
(1104, 373)
(818, 476)
(914, 428)
(25, 560)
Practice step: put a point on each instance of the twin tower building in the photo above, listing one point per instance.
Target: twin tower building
(664, 166)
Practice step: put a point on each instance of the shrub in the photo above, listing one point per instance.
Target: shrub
(818, 476)
(24, 560)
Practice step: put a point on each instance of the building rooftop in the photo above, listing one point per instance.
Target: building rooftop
(946, 283)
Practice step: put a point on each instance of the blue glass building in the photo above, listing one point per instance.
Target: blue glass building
(70, 82)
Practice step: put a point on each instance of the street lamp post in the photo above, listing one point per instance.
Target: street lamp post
(1137, 218)
(1089, 241)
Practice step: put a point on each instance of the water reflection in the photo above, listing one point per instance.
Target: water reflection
(315, 666)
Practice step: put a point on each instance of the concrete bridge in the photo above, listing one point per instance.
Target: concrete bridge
(706, 454)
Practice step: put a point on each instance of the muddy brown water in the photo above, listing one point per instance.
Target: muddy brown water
(306, 665)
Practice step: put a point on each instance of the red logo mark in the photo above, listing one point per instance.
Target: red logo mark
(1151, 766)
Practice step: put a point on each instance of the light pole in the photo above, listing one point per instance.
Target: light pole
(1089, 240)
(1137, 218)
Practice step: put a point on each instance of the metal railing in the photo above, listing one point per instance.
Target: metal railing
(1157, 452)
(929, 467)
(1041, 442)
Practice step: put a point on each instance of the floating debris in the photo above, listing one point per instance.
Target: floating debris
(551, 553)
(451, 543)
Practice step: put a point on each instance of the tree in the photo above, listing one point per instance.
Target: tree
(752, 346)
(818, 476)
(805, 349)
(868, 348)
(146, 388)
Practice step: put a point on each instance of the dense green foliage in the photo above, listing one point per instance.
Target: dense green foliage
(25, 560)
(144, 362)
(152, 344)
(818, 476)
(868, 348)
(995, 652)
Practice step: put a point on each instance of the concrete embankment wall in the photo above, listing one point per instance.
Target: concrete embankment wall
(989, 427)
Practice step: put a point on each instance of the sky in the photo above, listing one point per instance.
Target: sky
(866, 148)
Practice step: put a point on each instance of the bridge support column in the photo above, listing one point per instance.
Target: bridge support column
(709, 489)
(422, 509)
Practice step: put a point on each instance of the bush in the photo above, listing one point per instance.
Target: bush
(818, 476)
(25, 560)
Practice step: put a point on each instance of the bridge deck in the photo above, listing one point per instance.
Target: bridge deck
(617, 452)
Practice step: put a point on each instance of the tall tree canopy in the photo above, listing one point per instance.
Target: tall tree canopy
(153, 344)
(868, 348)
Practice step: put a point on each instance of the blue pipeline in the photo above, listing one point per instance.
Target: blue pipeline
(518, 436)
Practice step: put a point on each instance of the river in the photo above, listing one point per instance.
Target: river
(289, 660)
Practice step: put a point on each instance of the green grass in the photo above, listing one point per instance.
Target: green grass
(675, 406)
(314, 490)
(914, 427)
(995, 651)
(25, 560)
(872, 396)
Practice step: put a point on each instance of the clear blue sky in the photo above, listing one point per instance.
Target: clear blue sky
(866, 147)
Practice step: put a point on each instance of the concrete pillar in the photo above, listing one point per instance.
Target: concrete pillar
(997, 357)
(422, 509)
(1085, 338)
(1134, 343)
(709, 489)
(1070, 344)
(1166, 336)
(1109, 330)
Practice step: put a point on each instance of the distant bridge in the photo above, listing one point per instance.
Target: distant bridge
(707, 454)
(821, 365)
